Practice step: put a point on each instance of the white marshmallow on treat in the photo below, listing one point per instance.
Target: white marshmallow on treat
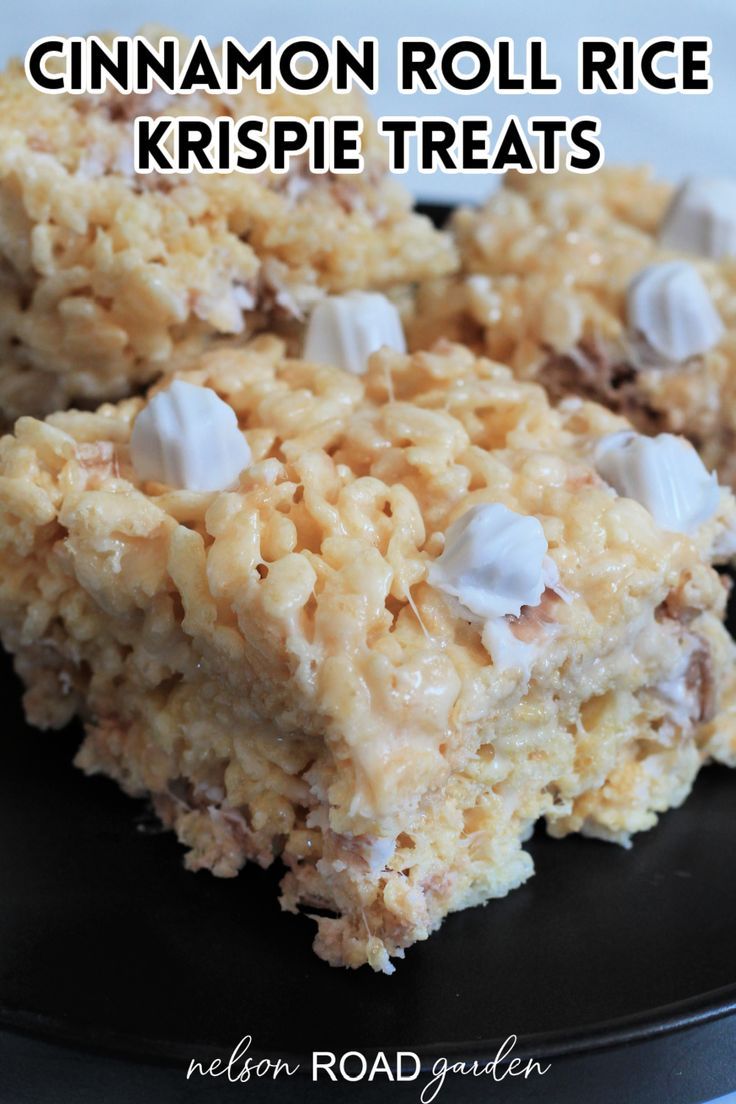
(701, 218)
(189, 438)
(505, 649)
(344, 330)
(377, 852)
(493, 561)
(671, 308)
(664, 474)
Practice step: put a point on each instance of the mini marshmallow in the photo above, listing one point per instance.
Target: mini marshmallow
(377, 852)
(663, 473)
(345, 330)
(506, 651)
(494, 561)
(670, 306)
(189, 438)
(701, 218)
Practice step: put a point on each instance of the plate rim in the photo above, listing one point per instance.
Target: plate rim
(640, 1027)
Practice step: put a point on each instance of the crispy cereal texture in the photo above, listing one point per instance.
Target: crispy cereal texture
(110, 278)
(546, 264)
(271, 666)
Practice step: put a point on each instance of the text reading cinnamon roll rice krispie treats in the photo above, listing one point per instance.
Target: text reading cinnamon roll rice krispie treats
(611, 286)
(108, 278)
(376, 625)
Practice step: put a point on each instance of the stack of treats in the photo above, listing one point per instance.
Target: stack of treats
(409, 544)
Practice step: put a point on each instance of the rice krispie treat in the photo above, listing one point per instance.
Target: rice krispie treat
(611, 286)
(108, 278)
(377, 625)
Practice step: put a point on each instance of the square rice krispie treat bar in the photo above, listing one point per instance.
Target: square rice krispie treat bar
(612, 286)
(375, 625)
(108, 278)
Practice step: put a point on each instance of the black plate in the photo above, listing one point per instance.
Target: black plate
(617, 967)
(106, 942)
